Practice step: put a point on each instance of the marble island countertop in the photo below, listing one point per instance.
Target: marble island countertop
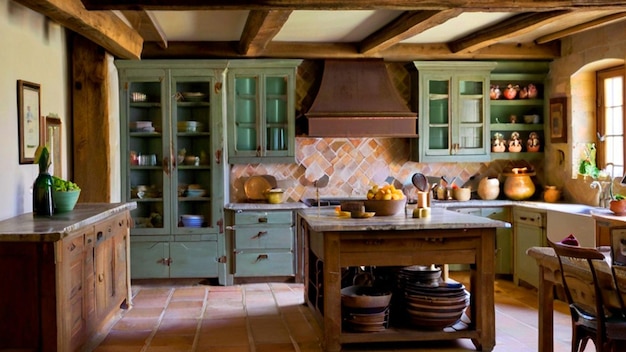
(326, 219)
(29, 228)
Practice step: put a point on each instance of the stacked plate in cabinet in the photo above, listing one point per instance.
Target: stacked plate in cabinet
(365, 308)
(428, 303)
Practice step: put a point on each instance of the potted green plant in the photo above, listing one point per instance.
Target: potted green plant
(65, 194)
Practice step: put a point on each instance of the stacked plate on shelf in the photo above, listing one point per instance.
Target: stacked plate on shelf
(141, 126)
(189, 126)
(427, 302)
(365, 308)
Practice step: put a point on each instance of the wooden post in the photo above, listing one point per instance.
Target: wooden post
(91, 160)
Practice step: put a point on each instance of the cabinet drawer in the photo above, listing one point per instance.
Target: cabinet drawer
(263, 217)
(263, 263)
(107, 228)
(264, 237)
(529, 217)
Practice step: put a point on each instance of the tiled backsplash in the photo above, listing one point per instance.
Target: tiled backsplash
(353, 164)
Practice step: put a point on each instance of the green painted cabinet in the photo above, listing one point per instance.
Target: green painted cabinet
(172, 165)
(261, 111)
(504, 237)
(529, 230)
(452, 100)
(263, 243)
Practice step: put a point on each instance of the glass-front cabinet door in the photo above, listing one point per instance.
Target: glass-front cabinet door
(453, 105)
(261, 111)
(172, 144)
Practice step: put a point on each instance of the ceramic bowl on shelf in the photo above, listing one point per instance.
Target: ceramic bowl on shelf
(190, 220)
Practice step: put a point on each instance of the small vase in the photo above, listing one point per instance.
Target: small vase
(42, 195)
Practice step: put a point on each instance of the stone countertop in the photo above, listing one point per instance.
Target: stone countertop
(29, 228)
(265, 206)
(325, 219)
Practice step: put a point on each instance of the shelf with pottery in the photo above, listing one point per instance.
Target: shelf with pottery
(517, 107)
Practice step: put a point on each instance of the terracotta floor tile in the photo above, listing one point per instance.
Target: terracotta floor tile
(260, 317)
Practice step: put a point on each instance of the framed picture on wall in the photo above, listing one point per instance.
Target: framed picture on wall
(558, 120)
(29, 120)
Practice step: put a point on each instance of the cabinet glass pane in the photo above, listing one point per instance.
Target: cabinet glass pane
(470, 87)
(439, 87)
(438, 110)
(192, 185)
(438, 138)
(471, 137)
(246, 113)
(471, 111)
(145, 147)
(276, 112)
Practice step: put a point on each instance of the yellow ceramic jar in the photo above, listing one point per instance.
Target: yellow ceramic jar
(519, 186)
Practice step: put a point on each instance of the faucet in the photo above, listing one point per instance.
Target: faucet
(605, 186)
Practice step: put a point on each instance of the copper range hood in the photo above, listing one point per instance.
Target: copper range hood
(357, 99)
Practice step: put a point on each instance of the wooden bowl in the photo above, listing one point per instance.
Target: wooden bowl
(462, 193)
(618, 207)
(385, 207)
(357, 296)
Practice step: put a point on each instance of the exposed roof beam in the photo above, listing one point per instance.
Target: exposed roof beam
(603, 21)
(475, 5)
(147, 26)
(511, 27)
(405, 26)
(261, 27)
(101, 27)
(399, 52)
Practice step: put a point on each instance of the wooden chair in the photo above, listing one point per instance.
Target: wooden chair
(588, 290)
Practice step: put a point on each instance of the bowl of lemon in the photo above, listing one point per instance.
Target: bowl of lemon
(385, 200)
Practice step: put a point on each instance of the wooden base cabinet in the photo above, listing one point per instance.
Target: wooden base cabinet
(57, 295)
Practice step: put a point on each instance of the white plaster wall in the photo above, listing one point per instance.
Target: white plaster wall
(33, 49)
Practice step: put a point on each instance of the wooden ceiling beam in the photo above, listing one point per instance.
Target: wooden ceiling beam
(261, 27)
(147, 26)
(101, 27)
(400, 52)
(406, 5)
(603, 21)
(509, 28)
(405, 26)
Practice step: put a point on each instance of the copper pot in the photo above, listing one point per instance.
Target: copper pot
(519, 185)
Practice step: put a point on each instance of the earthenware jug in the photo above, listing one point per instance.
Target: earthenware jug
(519, 185)
(488, 188)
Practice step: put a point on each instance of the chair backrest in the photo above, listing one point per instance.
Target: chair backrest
(580, 279)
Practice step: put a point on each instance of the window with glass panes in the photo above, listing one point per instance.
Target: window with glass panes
(610, 117)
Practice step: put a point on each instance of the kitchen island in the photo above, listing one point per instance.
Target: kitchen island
(332, 243)
(64, 276)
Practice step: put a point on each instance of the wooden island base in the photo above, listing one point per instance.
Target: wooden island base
(447, 237)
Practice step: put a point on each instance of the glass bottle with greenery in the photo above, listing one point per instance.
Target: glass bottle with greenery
(42, 187)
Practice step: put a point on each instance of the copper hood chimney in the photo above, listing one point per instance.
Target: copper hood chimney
(357, 99)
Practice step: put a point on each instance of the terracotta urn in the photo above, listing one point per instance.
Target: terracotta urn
(618, 207)
(488, 188)
(551, 194)
(519, 185)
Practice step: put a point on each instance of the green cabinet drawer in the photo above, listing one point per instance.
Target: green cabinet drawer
(263, 217)
(254, 263)
(193, 259)
(264, 237)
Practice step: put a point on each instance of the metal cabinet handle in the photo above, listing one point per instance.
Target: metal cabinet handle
(261, 233)
(262, 257)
